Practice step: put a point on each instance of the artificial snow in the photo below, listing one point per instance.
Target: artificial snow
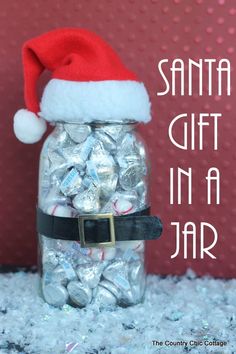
(176, 309)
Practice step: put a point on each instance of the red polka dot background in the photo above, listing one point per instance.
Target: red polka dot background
(143, 32)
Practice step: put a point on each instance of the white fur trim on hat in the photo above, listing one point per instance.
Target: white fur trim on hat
(73, 102)
(28, 128)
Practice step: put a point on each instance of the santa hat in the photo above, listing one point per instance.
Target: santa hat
(89, 83)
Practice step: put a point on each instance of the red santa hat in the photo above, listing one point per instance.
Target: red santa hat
(89, 83)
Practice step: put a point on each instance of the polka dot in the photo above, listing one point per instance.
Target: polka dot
(164, 28)
(197, 39)
(187, 29)
(208, 49)
(164, 48)
(165, 9)
(210, 10)
(228, 107)
(230, 50)
(175, 38)
(232, 11)
(231, 30)
(188, 9)
(176, 19)
(220, 40)
(220, 20)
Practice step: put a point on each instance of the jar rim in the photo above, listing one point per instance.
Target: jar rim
(98, 122)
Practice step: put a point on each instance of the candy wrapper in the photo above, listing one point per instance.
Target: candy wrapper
(90, 169)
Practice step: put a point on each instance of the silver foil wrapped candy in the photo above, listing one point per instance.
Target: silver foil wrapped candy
(90, 273)
(87, 202)
(71, 183)
(55, 294)
(78, 133)
(104, 298)
(80, 294)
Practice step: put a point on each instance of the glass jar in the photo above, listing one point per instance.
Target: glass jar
(92, 169)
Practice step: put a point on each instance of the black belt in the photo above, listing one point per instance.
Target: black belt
(100, 229)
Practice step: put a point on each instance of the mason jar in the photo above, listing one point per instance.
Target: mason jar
(92, 172)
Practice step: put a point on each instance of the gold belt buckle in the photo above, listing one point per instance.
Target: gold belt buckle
(83, 218)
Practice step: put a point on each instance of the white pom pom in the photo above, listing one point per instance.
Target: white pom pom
(28, 128)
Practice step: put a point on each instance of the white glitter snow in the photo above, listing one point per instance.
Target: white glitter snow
(175, 308)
